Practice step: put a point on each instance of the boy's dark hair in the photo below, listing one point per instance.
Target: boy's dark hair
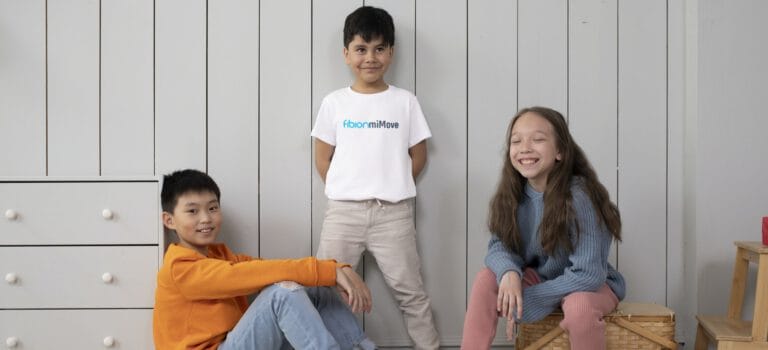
(369, 23)
(180, 182)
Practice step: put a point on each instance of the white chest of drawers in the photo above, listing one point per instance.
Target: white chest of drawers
(78, 262)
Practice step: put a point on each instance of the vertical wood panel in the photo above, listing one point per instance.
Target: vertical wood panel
(592, 86)
(542, 51)
(441, 85)
(127, 88)
(180, 91)
(285, 120)
(491, 105)
(233, 117)
(385, 322)
(642, 147)
(328, 74)
(73, 87)
(22, 88)
(678, 298)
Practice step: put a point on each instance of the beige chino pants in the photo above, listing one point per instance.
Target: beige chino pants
(387, 231)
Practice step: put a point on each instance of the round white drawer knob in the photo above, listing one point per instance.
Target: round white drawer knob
(107, 277)
(109, 342)
(11, 278)
(107, 214)
(11, 342)
(11, 214)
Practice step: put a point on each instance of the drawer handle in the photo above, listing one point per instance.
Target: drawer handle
(11, 278)
(11, 214)
(11, 342)
(107, 214)
(109, 342)
(107, 278)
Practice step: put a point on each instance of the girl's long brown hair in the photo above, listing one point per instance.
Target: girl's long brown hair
(558, 209)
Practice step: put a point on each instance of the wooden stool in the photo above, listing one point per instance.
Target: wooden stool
(730, 332)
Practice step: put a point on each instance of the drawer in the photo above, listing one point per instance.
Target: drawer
(59, 213)
(76, 329)
(78, 277)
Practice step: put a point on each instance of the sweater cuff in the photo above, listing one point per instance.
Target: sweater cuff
(501, 275)
(326, 272)
(340, 265)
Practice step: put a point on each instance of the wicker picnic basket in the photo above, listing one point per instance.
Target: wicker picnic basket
(630, 326)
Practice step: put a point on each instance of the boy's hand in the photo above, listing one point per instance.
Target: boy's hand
(359, 296)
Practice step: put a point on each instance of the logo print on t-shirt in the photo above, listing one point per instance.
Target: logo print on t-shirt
(377, 124)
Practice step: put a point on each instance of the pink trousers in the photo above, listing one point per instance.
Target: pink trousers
(583, 313)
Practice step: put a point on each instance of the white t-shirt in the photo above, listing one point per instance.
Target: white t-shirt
(371, 134)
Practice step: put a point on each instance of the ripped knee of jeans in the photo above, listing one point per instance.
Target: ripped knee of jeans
(290, 285)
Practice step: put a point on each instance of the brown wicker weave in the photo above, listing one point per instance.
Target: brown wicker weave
(656, 319)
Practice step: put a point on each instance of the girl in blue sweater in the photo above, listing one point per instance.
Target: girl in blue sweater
(551, 224)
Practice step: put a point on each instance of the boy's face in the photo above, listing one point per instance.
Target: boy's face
(368, 62)
(196, 220)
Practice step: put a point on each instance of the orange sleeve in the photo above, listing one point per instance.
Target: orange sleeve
(242, 257)
(207, 278)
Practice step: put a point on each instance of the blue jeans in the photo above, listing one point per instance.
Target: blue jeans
(288, 315)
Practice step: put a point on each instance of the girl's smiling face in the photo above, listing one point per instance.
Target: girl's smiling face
(533, 149)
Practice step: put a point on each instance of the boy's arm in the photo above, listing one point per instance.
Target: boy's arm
(323, 156)
(209, 278)
(418, 155)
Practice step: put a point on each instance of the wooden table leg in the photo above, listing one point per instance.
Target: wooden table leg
(701, 339)
(760, 318)
(740, 269)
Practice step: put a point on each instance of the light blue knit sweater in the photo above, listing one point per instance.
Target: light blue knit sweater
(585, 269)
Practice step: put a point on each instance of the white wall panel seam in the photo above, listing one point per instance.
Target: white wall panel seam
(47, 141)
(207, 104)
(258, 122)
(100, 142)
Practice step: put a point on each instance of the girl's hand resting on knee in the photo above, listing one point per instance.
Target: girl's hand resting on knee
(510, 299)
(509, 302)
(358, 296)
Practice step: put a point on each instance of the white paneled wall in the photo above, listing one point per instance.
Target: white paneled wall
(542, 54)
(23, 88)
(73, 123)
(642, 146)
(127, 97)
(125, 88)
(233, 117)
(285, 165)
(181, 104)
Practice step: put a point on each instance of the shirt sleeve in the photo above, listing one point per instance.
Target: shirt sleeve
(588, 264)
(419, 127)
(199, 278)
(324, 129)
(501, 260)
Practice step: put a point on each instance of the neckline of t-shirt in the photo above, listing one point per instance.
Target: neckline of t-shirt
(389, 88)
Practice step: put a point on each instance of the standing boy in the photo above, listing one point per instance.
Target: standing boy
(370, 145)
(202, 287)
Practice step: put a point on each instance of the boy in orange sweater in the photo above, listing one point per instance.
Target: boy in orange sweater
(202, 288)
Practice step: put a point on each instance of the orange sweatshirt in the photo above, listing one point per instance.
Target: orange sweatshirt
(199, 299)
